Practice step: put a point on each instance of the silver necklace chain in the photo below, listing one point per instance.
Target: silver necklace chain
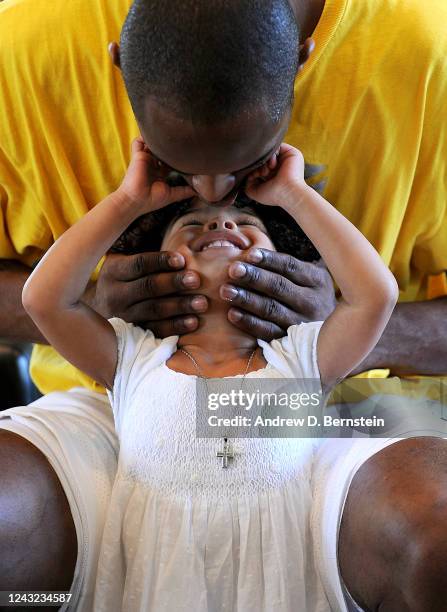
(227, 451)
(196, 365)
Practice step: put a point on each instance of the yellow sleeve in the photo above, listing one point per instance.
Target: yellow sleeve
(437, 286)
(65, 132)
(24, 231)
(65, 121)
(430, 187)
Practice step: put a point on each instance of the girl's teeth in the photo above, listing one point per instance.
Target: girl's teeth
(218, 244)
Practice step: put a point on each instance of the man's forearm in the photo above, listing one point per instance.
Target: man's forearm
(15, 324)
(414, 342)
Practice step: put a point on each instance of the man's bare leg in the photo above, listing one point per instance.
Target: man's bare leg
(38, 543)
(393, 535)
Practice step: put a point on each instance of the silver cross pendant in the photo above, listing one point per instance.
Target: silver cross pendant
(226, 453)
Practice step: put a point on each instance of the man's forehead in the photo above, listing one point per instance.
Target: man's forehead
(209, 149)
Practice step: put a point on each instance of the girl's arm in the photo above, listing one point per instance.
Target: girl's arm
(369, 290)
(52, 294)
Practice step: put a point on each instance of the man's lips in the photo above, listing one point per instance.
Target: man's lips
(238, 240)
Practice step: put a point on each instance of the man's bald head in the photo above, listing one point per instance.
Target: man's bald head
(208, 61)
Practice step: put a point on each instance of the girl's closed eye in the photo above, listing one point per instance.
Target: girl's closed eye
(191, 222)
(251, 221)
(248, 222)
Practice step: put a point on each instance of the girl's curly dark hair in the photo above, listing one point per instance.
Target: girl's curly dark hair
(146, 233)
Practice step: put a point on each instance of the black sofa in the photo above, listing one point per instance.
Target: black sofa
(17, 387)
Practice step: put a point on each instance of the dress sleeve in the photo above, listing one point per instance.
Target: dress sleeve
(133, 343)
(295, 355)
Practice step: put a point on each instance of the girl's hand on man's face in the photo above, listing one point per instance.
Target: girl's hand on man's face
(145, 184)
(274, 183)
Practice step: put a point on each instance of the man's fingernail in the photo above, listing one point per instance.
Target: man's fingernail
(190, 322)
(227, 292)
(238, 270)
(190, 280)
(199, 304)
(255, 256)
(234, 315)
(175, 261)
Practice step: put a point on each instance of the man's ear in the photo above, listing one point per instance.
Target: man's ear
(114, 52)
(305, 51)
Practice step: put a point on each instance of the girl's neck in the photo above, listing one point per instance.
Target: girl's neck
(218, 347)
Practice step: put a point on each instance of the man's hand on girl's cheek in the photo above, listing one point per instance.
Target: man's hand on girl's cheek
(145, 289)
(270, 291)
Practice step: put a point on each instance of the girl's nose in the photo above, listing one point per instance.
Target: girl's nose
(213, 188)
(221, 222)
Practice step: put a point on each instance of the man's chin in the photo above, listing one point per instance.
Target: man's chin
(228, 200)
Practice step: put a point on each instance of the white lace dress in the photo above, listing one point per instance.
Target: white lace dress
(181, 532)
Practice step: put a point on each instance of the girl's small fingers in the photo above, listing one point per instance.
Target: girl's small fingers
(273, 161)
(287, 150)
(181, 193)
(251, 189)
(284, 147)
(137, 145)
(251, 181)
(159, 191)
(255, 175)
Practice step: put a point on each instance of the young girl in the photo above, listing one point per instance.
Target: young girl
(183, 533)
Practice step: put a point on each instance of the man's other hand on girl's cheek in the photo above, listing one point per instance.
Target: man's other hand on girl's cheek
(265, 288)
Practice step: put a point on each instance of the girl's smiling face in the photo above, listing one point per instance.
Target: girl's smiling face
(211, 237)
(207, 232)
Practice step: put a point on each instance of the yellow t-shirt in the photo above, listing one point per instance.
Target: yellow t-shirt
(369, 118)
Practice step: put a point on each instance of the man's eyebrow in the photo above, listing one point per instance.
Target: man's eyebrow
(266, 155)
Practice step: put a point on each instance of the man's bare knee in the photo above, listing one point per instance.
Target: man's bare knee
(393, 527)
(38, 541)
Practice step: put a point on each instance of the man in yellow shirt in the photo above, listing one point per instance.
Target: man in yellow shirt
(367, 119)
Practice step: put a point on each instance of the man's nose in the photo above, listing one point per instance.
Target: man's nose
(213, 188)
(219, 223)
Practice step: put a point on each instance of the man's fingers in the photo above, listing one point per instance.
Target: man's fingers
(167, 308)
(303, 273)
(172, 327)
(132, 267)
(160, 285)
(253, 325)
(264, 282)
(262, 307)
